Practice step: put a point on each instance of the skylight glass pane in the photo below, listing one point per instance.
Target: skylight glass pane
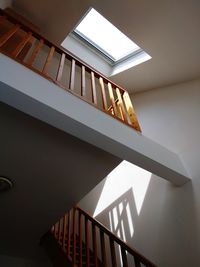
(105, 36)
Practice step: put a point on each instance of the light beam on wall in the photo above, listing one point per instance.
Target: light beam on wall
(125, 176)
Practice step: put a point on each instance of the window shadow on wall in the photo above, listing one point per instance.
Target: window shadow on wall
(120, 216)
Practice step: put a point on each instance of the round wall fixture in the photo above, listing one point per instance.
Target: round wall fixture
(5, 184)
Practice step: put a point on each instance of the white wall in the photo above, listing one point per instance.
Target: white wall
(107, 135)
(7, 261)
(170, 222)
(167, 229)
(5, 3)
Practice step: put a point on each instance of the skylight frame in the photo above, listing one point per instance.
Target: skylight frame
(101, 52)
(99, 49)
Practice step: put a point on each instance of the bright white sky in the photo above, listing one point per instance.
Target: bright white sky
(105, 35)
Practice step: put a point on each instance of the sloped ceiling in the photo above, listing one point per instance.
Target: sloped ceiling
(168, 30)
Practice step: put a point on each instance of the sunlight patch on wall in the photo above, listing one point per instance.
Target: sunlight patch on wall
(130, 222)
(125, 176)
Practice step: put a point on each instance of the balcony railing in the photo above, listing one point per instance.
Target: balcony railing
(26, 46)
(86, 242)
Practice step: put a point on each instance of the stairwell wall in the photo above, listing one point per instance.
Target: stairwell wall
(5, 3)
(170, 116)
(7, 261)
(167, 230)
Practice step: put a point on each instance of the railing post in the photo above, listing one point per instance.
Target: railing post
(105, 105)
(69, 233)
(124, 257)
(121, 105)
(112, 99)
(83, 92)
(80, 239)
(131, 111)
(94, 93)
(74, 238)
(59, 231)
(64, 232)
(48, 60)
(103, 249)
(60, 68)
(94, 241)
(113, 254)
(72, 75)
(56, 231)
(87, 243)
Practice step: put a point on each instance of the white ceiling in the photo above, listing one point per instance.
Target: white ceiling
(168, 30)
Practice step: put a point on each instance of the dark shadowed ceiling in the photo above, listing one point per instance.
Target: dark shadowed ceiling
(51, 172)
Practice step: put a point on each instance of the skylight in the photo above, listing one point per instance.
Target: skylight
(103, 35)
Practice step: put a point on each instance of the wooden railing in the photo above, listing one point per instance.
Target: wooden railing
(87, 242)
(28, 47)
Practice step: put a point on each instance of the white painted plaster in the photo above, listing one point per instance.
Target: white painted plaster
(44, 100)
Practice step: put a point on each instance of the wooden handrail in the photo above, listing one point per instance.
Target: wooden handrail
(116, 239)
(84, 249)
(122, 111)
(58, 49)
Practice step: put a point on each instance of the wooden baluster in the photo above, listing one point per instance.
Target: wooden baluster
(113, 254)
(64, 231)
(112, 99)
(80, 239)
(94, 241)
(113, 239)
(69, 233)
(21, 45)
(35, 52)
(121, 105)
(74, 238)
(56, 230)
(60, 69)
(59, 231)
(48, 60)
(137, 262)
(120, 114)
(94, 93)
(103, 249)
(87, 243)
(83, 92)
(124, 257)
(131, 111)
(4, 38)
(105, 105)
(72, 75)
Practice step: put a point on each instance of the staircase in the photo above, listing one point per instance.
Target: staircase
(81, 239)
(81, 261)
(86, 242)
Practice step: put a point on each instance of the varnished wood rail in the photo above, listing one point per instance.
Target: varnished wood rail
(82, 237)
(28, 46)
